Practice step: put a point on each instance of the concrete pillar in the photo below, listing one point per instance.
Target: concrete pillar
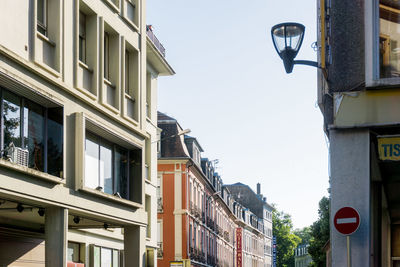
(350, 186)
(56, 229)
(134, 245)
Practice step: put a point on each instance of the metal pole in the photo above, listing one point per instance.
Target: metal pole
(348, 251)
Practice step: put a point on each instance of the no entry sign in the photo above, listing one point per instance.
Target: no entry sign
(346, 220)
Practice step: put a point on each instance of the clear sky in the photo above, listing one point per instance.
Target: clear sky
(232, 91)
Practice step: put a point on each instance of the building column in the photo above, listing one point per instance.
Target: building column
(350, 186)
(134, 245)
(56, 229)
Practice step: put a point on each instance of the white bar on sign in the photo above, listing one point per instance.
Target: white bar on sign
(346, 220)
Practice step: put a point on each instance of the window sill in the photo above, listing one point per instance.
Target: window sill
(129, 97)
(134, 122)
(383, 83)
(83, 65)
(87, 93)
(130, 23)
(112, 5)
(109, 83)
(48, 69)
(111, 108)
(111, 197)
(42, 175)
(46, 39)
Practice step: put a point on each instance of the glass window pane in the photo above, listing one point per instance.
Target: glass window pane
(96, 256)
(55, 142)
(41, 11)
(91, 161)
(82, 37)
(389, 38)
(73, 252)
(115, 258)
(12, 119)
(106, 257)
(121, 172)
(34, 134)
(106, 168)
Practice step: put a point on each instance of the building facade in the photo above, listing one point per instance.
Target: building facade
(358, 94)
(259, 214)
(78, 133)
(199, 221)
(301, 256)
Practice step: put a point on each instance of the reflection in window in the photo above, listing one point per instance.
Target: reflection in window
(12, 119)
(389, 38)
(73, 252)
(41, 129)
(34, 134)
(106, 166)
(106, 257)
(42, 16)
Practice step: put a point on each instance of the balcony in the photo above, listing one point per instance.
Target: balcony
(160, 206)
(155, 41)
(160, 252)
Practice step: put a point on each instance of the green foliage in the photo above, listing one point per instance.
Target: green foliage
(320, 234)
(304, 234)
(286, 240)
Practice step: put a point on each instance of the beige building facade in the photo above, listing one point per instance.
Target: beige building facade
(78, 136)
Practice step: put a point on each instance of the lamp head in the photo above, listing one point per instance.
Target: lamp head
(287, 38)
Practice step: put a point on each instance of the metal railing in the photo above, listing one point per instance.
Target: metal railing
(160, 204)
(155, 41)
(160, 251)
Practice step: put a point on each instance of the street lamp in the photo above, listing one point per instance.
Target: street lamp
(287, 38)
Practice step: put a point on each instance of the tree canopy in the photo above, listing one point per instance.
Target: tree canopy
(286, 240)
(320, 234)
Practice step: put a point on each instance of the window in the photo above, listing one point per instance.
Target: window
(128, 56)
(389, 39)
(159, 194)
(106, 56)
(73, 253)
(110, 167)
(106, 257)
(41, 130)
(42, 16)
(82, 37)
(147, 207)
(130, 11)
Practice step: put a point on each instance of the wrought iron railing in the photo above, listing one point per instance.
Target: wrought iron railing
(155, 41)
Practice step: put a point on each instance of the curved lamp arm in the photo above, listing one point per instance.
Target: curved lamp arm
(307, 62)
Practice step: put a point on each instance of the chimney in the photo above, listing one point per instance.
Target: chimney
(258, 188)
(265, 199)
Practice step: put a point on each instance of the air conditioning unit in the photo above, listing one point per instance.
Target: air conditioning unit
(18, 155)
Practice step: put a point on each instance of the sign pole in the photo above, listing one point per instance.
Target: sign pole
(348, 251)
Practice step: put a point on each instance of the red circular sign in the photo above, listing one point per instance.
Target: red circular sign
(346, 220)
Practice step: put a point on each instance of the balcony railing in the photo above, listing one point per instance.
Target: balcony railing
(155, 41)
(160, 207)
(160, 252)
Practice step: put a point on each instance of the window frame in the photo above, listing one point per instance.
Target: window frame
(119, 258)
(106, 56)
(82, 55)
(23, 101)
(42, 24)
(100, 141)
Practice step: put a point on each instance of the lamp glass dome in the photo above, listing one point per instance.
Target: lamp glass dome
(287, 36)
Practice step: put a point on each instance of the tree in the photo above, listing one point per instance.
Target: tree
(320, 234)
(304, 234)
(286, 240)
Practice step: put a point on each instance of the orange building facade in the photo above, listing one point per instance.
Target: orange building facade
(198, 219)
